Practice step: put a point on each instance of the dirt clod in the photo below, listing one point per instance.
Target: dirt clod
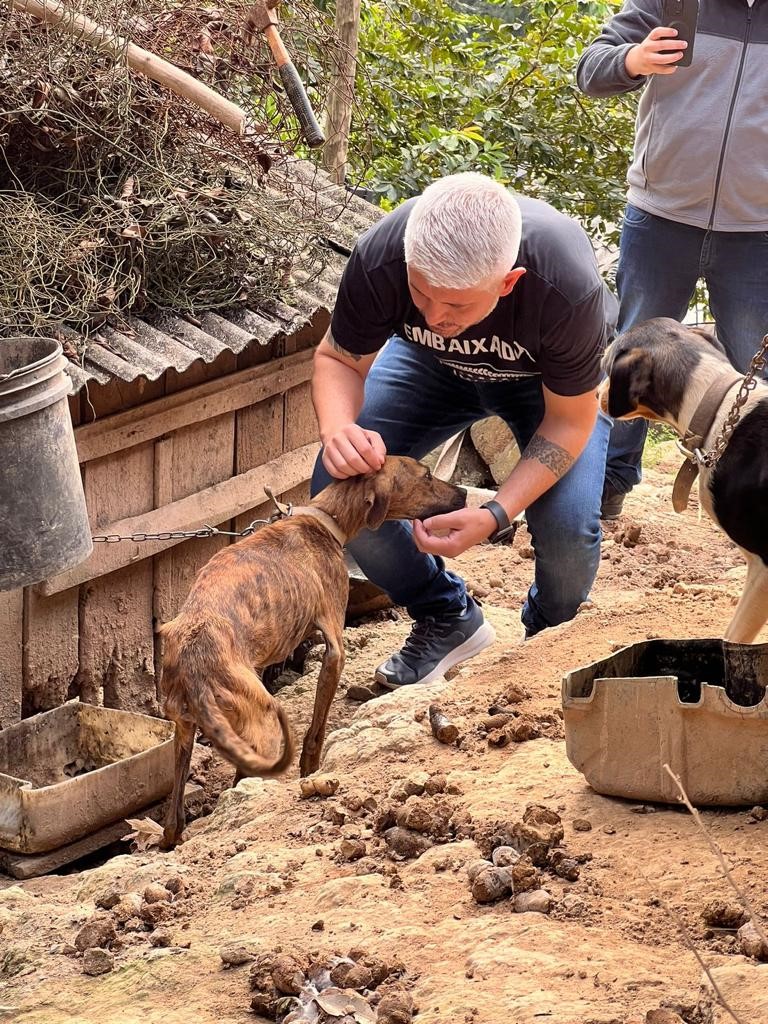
(724, 913)
(154, 913)
(287, 975)
(352, 975)
(395, 1008)
(97, 961)
(352, 849)
(175, 884)
(406, 844)
(128, 908)
(318, 785)
(430, 816)
(538, 901)
(157, 893)
(522, 729)
(265, 1005)
(109, 898)
(98, 931)
(515, 693)
(360, 694)
(663, 1016)
(525, 875)
(491, 885)
(505, 856)
(236, 955)
(751, 942)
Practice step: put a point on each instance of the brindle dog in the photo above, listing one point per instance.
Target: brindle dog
(255, 602)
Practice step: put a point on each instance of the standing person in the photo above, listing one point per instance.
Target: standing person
(698, 182)
(465, 303)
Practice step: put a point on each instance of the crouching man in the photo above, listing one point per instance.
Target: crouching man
(463, 303)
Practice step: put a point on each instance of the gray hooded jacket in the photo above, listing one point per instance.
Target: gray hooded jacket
(701, 145)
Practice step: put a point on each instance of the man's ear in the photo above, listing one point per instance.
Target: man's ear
(630, 382)
(510, 280)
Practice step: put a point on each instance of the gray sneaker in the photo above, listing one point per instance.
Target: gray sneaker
(435, 645)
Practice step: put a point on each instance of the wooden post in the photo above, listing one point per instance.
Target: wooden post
(342, 91)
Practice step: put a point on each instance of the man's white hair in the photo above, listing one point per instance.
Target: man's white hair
(464, 230)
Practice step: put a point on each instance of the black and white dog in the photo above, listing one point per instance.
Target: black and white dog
(662, 370)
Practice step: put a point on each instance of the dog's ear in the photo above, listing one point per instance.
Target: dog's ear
(630, 382)
(709, 334)
(378, 494)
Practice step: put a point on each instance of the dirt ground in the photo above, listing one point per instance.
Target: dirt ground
(267, 870)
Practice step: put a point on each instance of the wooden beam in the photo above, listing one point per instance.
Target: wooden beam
(213, 505)
(341, 95)
(193, 405)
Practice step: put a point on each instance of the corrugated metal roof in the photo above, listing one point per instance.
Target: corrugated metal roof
(147, 348)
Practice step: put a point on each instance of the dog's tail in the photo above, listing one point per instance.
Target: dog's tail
(232, 746)
(194, 674)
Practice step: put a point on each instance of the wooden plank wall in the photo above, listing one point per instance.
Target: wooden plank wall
(189, 460)
(258, 430)
(116, 647)
(299, 423)
(96, 639)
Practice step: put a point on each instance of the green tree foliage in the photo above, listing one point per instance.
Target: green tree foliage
(489, 86)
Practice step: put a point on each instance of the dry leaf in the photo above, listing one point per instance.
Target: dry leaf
(337, 1002)
(146, 833)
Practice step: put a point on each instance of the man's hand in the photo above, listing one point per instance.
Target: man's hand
(458, 531)
(352, 451)
(647, 59)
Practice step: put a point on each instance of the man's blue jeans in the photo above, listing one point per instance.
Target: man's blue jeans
(416, 403)
(660, 264)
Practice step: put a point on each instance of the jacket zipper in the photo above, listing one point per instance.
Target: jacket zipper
(729, 119)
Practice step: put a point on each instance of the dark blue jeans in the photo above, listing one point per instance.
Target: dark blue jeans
(660, 264)
(416, 403)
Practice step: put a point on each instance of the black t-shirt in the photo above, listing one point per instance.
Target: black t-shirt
(555, 322)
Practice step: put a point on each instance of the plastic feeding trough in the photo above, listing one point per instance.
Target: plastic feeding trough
(68, 772)
(699, 706)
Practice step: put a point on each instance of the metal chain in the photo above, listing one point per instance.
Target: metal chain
(202, 532)
(711, 458)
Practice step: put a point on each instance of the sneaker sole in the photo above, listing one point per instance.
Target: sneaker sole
(482, 637)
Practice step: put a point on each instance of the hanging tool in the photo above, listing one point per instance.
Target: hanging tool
(262, 18)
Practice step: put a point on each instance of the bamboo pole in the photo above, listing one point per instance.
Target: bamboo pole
(342, 92)
(138, 59)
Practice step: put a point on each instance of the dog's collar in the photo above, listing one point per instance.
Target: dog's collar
(691, 442)
(285, 510)
(324, 518)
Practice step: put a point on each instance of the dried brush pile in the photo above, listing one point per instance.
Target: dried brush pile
(117, 196)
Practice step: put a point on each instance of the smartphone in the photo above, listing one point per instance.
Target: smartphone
(682, 15)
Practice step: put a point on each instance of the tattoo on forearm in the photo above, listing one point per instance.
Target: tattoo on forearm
(342, 351)
(556, 459)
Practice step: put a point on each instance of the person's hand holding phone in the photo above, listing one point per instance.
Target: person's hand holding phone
(658, 54)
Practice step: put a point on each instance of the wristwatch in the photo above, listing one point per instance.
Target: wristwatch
(504, 528)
